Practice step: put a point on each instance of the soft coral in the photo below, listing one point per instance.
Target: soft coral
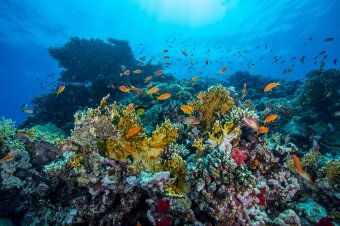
(238, 156)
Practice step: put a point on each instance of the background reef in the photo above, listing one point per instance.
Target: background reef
(89, 156)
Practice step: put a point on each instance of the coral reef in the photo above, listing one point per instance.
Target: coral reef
(134, 159)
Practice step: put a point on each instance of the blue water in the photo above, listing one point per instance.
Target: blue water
(27, 28)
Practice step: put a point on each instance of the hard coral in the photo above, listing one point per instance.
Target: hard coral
(332, 171)
(105, 130)
(215, 104)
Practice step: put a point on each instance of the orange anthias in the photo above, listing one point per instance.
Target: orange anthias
(270, 118)
(271, 86)
(153, 90)
(195, 78)
(262, 129)
(200, 96)
(133, 131)
(60, 90)
(124, 89)
(223, 70)
(164, 96)
(297, 165)
(186, 109)
(7, 157)
(158, 73)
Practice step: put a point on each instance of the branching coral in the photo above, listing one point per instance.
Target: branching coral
(332, 171)
(7, 132)
(107, 128)
(177, 167)
(223, 190)
(215, 104)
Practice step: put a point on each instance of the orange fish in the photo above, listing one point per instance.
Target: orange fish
(27, 111)
(159, 72)
(270, 118)
(60, 90)
(124, 89)
(195, 78)
(159, 145)
(297, 165)
(186, 109)
(223, 70)
(166, 57)
(113, 86)
(129, 148)
(7, 157)
(126, 72)
(138, 71)
(129, 107)
(152, 157)
(256, 162)
(244, 88)
(164, 96)
(270, 86)
(165, 50)
(137, 90)
(149, 85)
(133, 131)
(148, 78)
(262, 129)
(200, 96)
(153, 90)
(184, 53)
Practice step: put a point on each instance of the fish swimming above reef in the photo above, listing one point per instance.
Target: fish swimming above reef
(302, 173)
(153, 90)
(271, 86)
(164, 96)
(191, 121)
(252, 123)
(133, 131)
(124, 89)
(7, 157)
(270, 118)
(60, 90)
(186, 109)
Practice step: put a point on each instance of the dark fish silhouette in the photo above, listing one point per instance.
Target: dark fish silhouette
(293, 58)
(302, 59)
(335, 61)
(328, 39)
(322, 52)
(310, 38)
(322, 64)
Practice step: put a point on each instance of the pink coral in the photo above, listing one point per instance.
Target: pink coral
(238, 156)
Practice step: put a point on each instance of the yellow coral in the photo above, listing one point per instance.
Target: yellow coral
(332, 171)
(76, 162)
(176, 166)
(198, 144)
(215, 104)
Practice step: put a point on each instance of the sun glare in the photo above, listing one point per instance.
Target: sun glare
(185, 12)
